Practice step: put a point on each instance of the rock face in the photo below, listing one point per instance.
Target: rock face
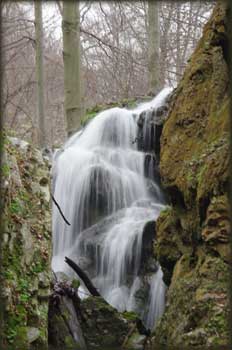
(192, 243)
(26, 246)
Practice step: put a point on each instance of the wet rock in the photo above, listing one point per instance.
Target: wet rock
(151, 167)
(150, 125)
(167, 247)
(148, 262)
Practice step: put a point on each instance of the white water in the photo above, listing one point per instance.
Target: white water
(100, 184)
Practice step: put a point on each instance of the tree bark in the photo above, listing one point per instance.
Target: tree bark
(153, 46)
(40, 73)
(72, 65)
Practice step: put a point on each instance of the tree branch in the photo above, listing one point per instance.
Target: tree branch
(89, 285)
(61, 213)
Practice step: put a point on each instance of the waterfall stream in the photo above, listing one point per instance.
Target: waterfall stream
(105, 182)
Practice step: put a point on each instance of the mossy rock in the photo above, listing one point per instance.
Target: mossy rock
(105, 326)
(26, 249)
(197, 303)
(198, 124)
(216, 228)
(167, 243)
(130, 316)
(193, 234)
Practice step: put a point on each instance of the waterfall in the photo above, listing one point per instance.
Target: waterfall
(104, 180)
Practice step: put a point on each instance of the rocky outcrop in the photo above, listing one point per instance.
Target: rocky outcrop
(90, 323)
(26, 246)
(192, 234)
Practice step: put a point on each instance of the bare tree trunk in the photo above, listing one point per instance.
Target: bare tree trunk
(178, 44)
(164, 44)
(40, 73)
(72, 65)
(153, 46)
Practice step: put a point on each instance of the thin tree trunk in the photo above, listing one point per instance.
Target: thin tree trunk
(153, 46)
(178, 45)
(72, 65)
(40, 73)
(164, 46)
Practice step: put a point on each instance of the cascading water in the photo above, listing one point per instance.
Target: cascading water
(105, 184)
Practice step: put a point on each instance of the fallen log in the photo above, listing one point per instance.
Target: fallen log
(89, 285)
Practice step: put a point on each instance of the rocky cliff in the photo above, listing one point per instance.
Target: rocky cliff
(193, 232)
(26, 246)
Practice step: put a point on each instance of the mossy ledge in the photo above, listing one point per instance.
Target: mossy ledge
(124, 103)
(193, 233)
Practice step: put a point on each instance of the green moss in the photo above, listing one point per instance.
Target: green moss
(86, 119)
(21, 338)
(200, 174)
(16, 206)
(124, 103)
(68, 342)
(9, 275)
(37, 267)
(75, 283)
(5, 170)
(165, 212)
(130, 315)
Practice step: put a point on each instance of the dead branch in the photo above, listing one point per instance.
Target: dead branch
(89, 285)
(61, 213)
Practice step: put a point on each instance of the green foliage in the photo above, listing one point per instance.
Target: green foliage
(24, 196)
(11, 334)
(15, 322)
(23, 286)
(37, 267)
(16, 206)
(9, 275)
(5, 170)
